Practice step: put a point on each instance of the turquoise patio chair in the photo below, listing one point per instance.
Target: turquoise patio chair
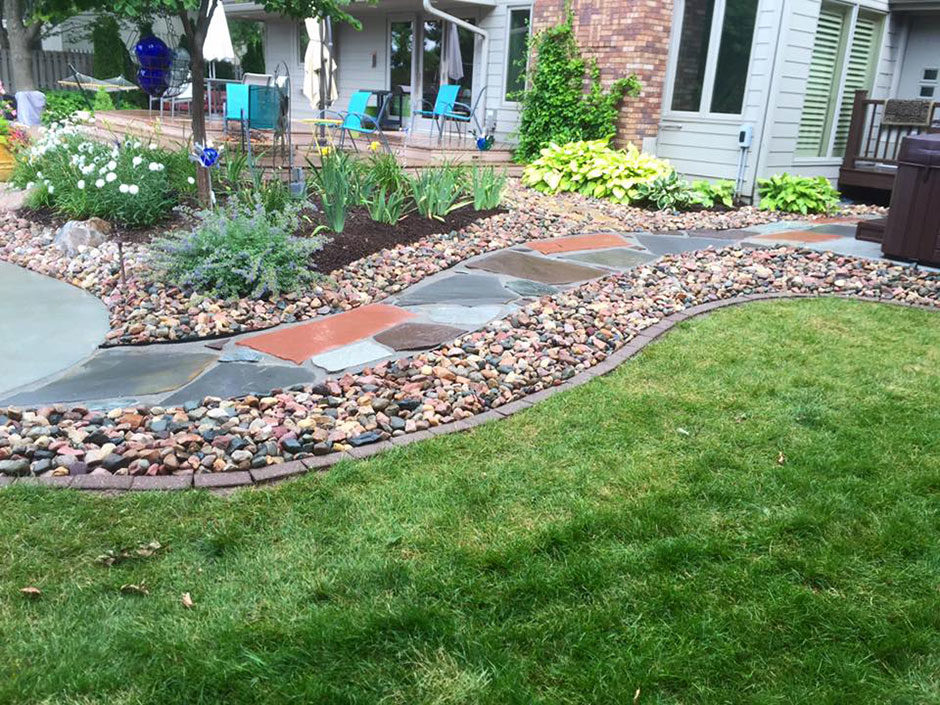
(236, 104)
(463, 114)
(354, 120)
(443, 104)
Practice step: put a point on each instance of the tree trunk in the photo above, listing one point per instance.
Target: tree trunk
(20, 38)
(196, 33)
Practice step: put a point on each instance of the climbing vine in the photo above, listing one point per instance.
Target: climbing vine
(555, 106)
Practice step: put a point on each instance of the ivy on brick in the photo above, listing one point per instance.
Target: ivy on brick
(555, 106)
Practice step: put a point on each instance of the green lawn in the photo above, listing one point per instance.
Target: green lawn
(641, 532)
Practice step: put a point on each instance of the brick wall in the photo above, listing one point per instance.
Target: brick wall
(625, 36)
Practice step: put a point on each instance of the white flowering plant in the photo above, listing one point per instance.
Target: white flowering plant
(129, 182)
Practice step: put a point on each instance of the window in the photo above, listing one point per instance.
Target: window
(401, 54)
(711, 67)
(517, 50)
(929, 81)
(843, 61)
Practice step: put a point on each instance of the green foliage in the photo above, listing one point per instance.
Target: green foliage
(710, 194)
(387, 206)
(110, 57)
(337, 179)
(555, 107)
(669, 192)
(238, 252)
(487, 186)
(797, 194)
(437, 191)
(383, 171)
(63, 105)
(130, 184)
(593, 169)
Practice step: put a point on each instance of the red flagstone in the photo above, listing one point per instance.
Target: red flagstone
(298, 343)
(798, 236)
(577, 242)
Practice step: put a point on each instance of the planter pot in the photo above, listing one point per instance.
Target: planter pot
(6, 163)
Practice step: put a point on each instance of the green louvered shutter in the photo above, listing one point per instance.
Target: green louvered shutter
(816, 119)
(859, 72)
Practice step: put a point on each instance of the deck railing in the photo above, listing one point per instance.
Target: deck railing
(871, 151)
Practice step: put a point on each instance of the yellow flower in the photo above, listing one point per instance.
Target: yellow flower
(324, 151)
(375, 146)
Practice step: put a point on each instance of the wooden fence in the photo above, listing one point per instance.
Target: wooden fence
(48, 67)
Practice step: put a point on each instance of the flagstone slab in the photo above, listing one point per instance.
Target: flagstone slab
(798, 236)
(539, 269)
(574, 243)
(236, 379)
(842, 230)
(462, 289)
(531, 289)
(780, 226)
(353, 355)
(619, 258)
(125, 373)
(418, 336)
(675, 245)
(736, 234)
(301, 342)
(463, 316)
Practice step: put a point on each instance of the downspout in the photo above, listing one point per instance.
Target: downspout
(484, 45)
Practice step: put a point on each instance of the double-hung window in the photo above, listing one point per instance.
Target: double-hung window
(845, 52)
(713, 55)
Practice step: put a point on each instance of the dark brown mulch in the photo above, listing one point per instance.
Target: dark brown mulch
(362, 236)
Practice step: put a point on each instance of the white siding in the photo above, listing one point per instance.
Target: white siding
(707, 147)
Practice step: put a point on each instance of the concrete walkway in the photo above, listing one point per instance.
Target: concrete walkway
(431, 313)
(45, 326)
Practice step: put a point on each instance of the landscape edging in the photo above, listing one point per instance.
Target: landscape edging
(225, 481)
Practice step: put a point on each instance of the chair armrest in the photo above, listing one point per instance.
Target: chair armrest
(363, 118)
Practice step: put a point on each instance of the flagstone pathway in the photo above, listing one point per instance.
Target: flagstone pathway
(432, 313)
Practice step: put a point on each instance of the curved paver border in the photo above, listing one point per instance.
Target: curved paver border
(116, 484)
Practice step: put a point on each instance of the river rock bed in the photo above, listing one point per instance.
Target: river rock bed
(538, 347)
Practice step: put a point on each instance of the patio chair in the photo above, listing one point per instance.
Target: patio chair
(461, 114)
(443, 104)
(353, 120)
(236, 105)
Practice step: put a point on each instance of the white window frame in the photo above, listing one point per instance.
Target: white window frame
(505, 82)
(397, 18)
(711, 64)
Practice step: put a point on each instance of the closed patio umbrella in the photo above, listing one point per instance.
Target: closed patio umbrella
(316, 58)
(454, 58)
(218, 46)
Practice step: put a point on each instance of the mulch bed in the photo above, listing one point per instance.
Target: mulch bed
(362, 236)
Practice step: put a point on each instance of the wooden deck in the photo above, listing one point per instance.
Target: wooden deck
(412, 151)
(871, 152)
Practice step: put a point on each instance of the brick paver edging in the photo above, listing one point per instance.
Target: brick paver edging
(113, 484)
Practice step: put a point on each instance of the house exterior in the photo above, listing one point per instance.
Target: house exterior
(782, 74)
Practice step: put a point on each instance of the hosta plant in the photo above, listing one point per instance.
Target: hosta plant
(593, 169)
(797, 194)
(711, 194)
(664, 193)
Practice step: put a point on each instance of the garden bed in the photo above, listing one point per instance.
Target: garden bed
(144, 310)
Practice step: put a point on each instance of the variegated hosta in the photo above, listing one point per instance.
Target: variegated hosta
(592, 168)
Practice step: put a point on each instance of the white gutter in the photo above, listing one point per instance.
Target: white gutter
(484, 48)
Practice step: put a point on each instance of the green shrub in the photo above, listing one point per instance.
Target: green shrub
(797, 194)
(63, 105)
(487, 186)
(110, 57)
(387, 206)
(437, 191)
(555, 107)
(129, 184)
(669, 192)
(711, 194)
(593, 169)
(238, 252)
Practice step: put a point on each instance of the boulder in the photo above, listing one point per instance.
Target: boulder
(81, 233)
